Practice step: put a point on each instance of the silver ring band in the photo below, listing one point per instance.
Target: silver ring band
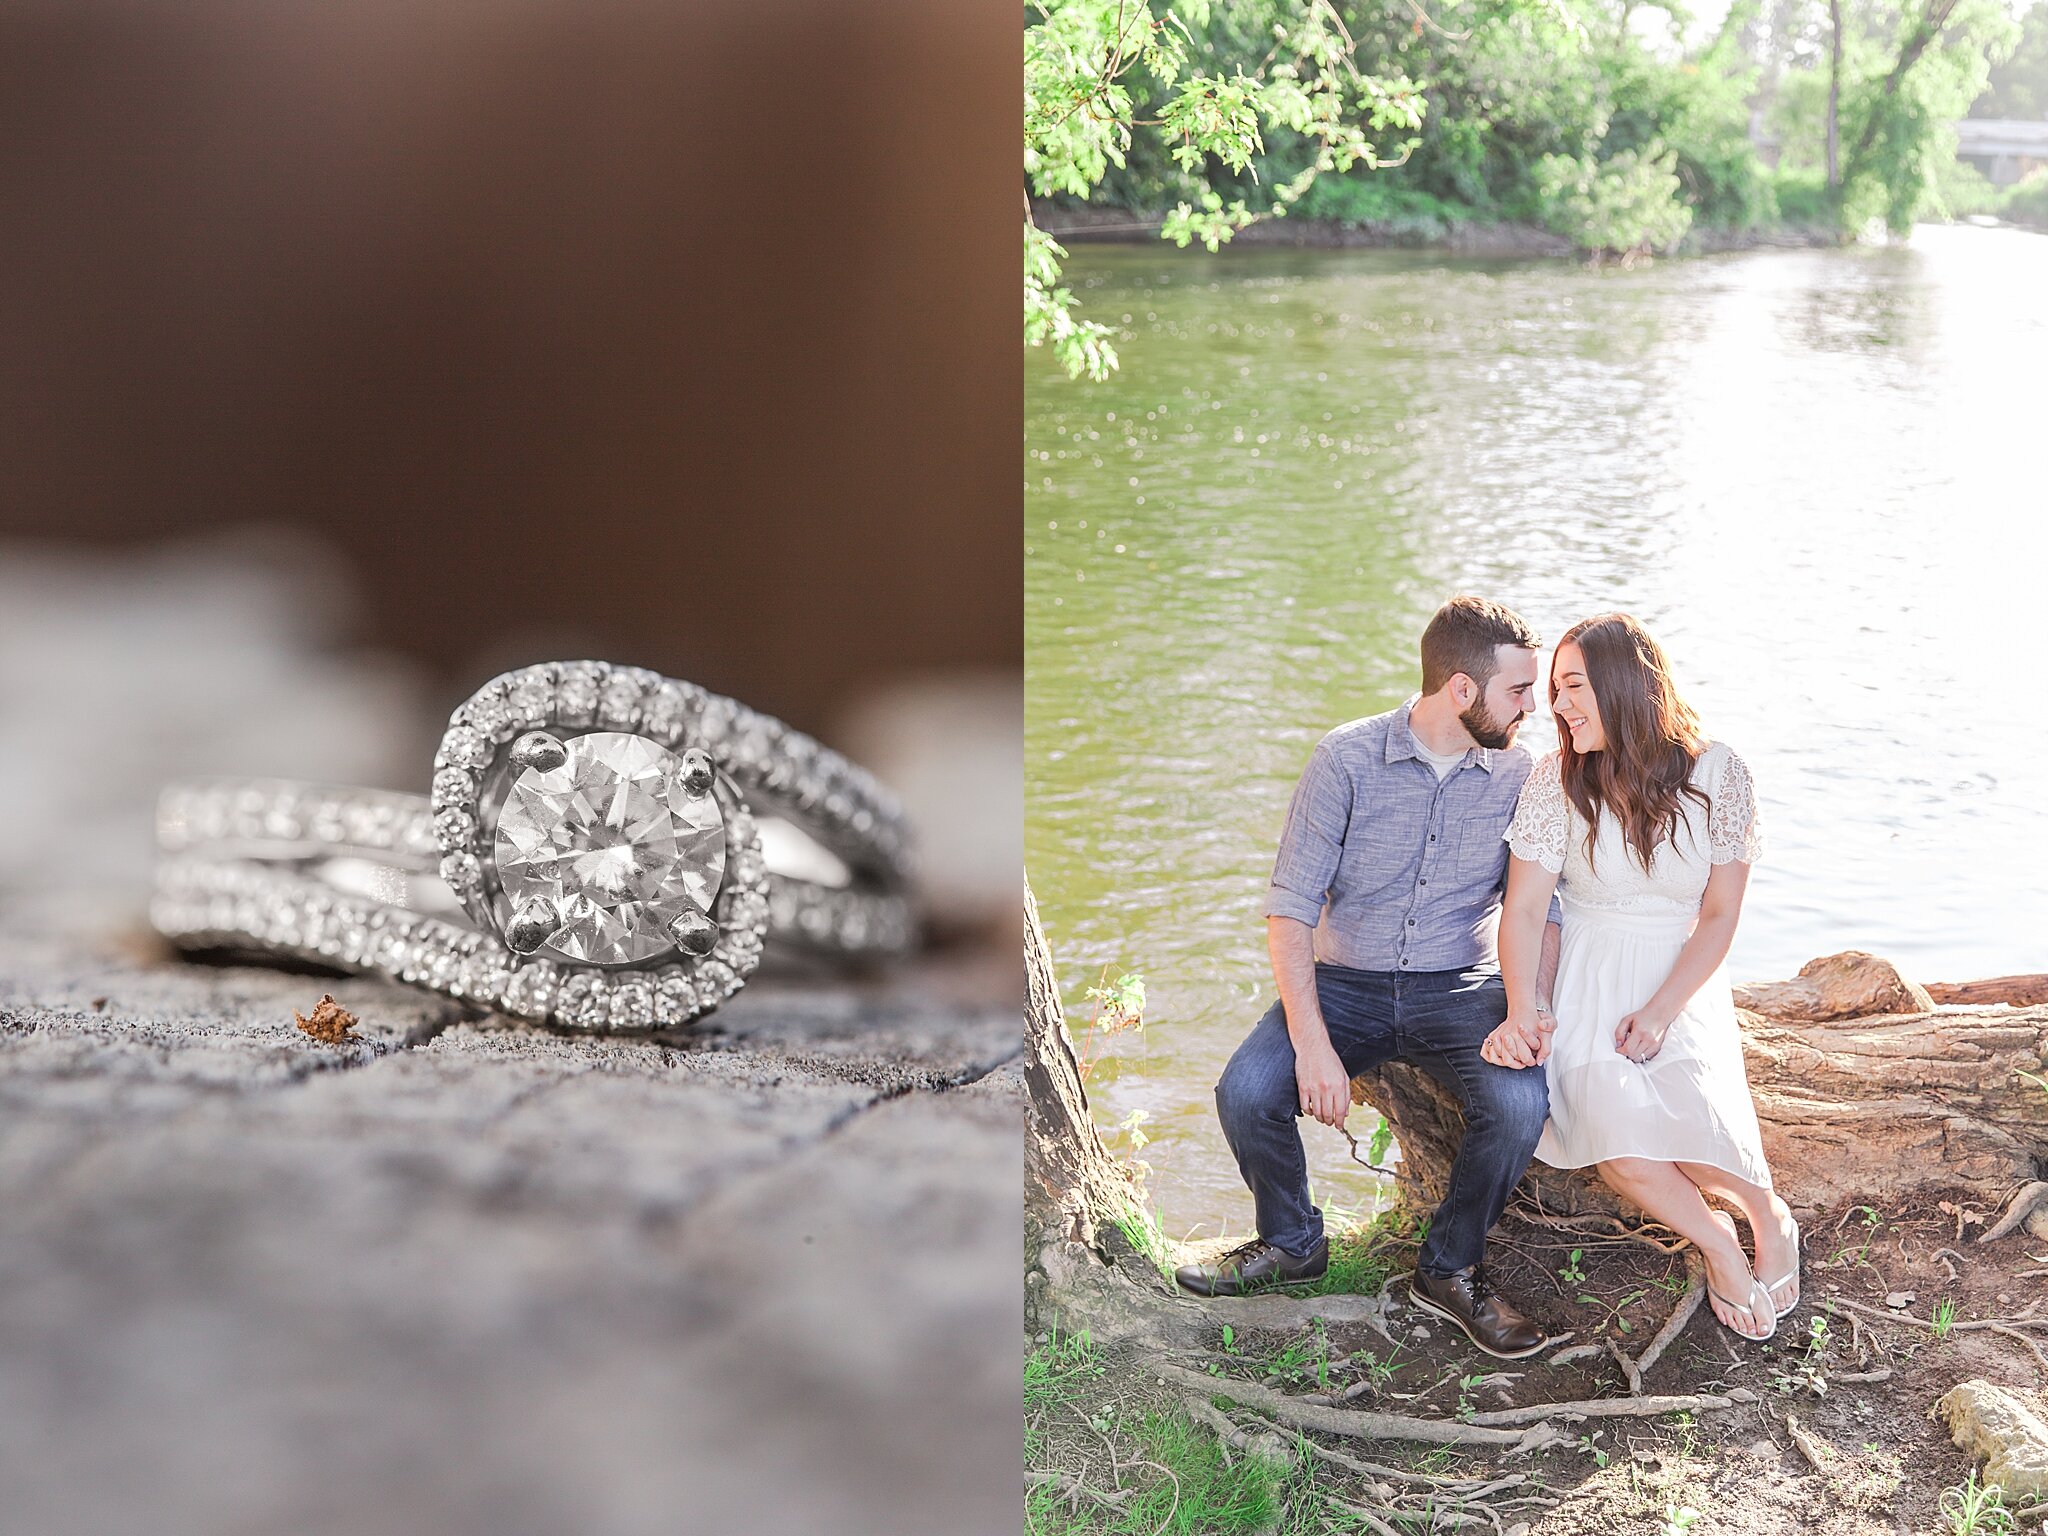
(603, 848)
(381, 843)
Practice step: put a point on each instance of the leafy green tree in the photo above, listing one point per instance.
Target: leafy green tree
(2018, 86)
(1907, 70)
(1096, 72)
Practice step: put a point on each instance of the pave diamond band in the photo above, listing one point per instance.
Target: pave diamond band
(616, 843)
(272, 821)
(211, 903)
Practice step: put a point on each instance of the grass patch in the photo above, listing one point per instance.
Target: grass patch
(1055, 1371)
(1178, 1485)
(1139, 1225)
(1364, 1255)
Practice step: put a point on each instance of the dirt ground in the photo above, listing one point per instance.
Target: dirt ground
(1837, 1440)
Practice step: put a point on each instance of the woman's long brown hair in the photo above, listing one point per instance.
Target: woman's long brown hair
(1653, 736)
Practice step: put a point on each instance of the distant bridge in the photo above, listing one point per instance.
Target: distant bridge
(2003, 148)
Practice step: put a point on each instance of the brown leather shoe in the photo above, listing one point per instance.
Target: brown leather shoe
(1489, 1319)
(1254, 1266)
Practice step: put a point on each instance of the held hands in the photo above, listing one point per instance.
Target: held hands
(1640, 1036)
(1522, 1040)
(1325, 1085)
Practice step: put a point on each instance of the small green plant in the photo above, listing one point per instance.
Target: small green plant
(1466, 1384)
(1679, 1518)
(1856, 1253)
(1588, 1445)
(1132, 1126)
(1614, 1309)
(1944, 1317)
(1229, 1339)
(1975, 1509)
(1570, 1272)
(1119, 1006)
(1382, 1140)
(1674, 1281)
(1378, 1372)
(1307, 1358)
(1817, 1335)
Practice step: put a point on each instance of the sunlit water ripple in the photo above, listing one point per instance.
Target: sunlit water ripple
(1817, 476)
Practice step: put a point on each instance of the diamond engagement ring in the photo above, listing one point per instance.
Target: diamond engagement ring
(604, 848)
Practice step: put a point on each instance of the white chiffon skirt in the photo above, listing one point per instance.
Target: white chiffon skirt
(1688, 1103)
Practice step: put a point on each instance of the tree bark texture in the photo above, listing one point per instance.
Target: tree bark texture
(1071, 1183)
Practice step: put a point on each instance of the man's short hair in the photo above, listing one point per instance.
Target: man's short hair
(1462, 636)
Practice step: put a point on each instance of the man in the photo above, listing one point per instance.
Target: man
(1381, 923)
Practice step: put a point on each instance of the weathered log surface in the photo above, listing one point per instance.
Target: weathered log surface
(470, 1277)
(2018, 991)
(1882, 1109)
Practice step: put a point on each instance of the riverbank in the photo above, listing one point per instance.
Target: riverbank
(1457, 237)
(1912, 1353)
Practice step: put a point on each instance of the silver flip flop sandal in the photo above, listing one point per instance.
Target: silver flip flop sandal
(1768, 1309)
(1790, 1277)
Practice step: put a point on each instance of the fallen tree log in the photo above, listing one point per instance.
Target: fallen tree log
(2018, 991)
(1873, 1109)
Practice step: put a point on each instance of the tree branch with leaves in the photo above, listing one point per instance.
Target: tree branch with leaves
(1097, 72)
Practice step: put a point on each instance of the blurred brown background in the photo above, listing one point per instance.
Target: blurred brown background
(682, 335)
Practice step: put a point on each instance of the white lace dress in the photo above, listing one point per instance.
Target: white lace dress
(1623, 928)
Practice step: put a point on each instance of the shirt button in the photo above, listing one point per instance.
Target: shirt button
(1425, 882)
(1432, 837)
(1411, 922)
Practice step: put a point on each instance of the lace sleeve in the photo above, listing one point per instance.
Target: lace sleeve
(1735, 831)
(1541, 822)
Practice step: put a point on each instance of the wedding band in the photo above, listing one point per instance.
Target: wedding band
(604, 848)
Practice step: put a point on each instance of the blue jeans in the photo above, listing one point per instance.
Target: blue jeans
(1435, 1020)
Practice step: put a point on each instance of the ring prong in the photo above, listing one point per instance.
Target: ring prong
(694, 933)
(698, 773)
(532, 923)
(539, 750)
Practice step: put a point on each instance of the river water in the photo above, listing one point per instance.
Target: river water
(1817, 476)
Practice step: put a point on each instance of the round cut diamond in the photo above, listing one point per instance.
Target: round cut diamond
(615, 843)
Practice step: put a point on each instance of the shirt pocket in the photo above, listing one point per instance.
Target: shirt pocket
(1479, 858)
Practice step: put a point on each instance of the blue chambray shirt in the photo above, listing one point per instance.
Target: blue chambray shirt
(1396, 869)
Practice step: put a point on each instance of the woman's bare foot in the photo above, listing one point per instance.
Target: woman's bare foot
(1728, 1276)
(1777, 1255)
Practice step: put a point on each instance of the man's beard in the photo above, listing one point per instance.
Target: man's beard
(1486, 730)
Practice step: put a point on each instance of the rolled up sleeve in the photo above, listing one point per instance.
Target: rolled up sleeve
(1312, 841)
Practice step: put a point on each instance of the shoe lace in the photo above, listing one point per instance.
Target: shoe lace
(1248, 1249)
(1481, 1285)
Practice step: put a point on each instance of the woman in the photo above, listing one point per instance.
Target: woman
(1653, 829)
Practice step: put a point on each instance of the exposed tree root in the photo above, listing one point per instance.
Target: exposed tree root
(1810, 1445)
(2031, 1198)
(1598, 1228)
(1689, 1303)
(1615, 1408)
(1354, 1422)
(1401, 1495)
(2008, 1326)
